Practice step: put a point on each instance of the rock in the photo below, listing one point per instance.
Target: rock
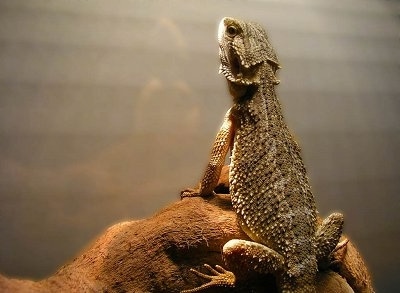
(155, 254)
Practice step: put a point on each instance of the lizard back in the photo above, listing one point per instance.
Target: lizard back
(269, 186)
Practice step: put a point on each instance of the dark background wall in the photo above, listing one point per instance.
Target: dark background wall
(109, 108)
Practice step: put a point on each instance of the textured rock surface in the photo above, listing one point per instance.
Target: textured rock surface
(155, 254)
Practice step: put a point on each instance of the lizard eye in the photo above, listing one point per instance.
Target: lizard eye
(231, 31)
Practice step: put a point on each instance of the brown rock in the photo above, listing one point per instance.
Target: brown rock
(155, 254)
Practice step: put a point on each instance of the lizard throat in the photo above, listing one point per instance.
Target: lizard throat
(241, 92)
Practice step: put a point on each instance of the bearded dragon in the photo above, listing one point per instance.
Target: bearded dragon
(269, 187)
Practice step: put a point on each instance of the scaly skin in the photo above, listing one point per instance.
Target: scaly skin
(269, 187)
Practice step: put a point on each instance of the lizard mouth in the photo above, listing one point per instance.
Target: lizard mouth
(231, 67)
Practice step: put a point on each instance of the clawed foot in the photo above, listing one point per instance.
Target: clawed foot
(194, 192)
(220, 277)
(340, 245)
(190, 192)
(336, 255)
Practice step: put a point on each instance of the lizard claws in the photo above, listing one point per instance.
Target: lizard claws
(336, 254)
(341, 245)
(219, 277)
(190, 192)
(194, 192)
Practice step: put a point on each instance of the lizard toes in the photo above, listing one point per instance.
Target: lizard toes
(219, 277)
(189, 192)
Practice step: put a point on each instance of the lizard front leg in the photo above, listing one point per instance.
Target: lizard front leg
(221, 146)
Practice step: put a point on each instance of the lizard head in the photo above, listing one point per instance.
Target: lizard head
(244, 49)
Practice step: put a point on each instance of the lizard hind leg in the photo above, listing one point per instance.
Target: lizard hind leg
(244, 256)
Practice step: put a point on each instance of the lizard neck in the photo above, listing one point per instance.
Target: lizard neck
(259, 104)
(276, 127)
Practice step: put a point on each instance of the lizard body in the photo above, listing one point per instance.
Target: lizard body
(269, 187)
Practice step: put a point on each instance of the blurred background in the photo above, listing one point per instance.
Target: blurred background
(109, 108)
